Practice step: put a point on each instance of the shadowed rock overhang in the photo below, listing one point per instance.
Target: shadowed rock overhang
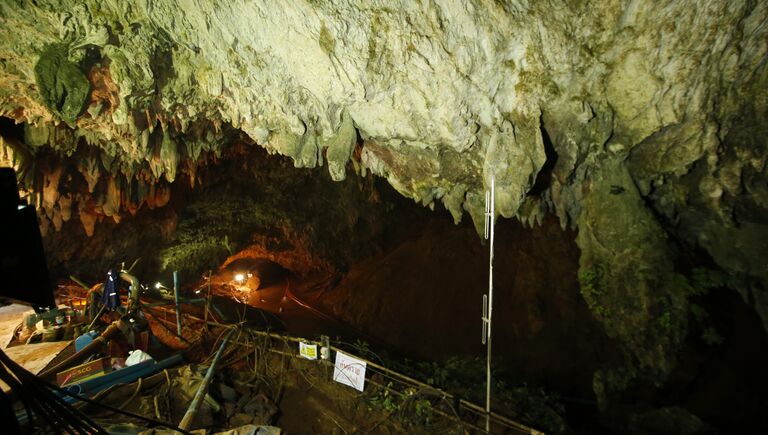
(642, 124)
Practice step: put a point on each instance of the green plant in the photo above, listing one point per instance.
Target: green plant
(698, 312)
(703, 279)
(202, 236)
(464, 376)
(423, 411)
(384, 399)
(227, 245)
(590, 279)
(665, 322)
(361, 347)
(711, 337)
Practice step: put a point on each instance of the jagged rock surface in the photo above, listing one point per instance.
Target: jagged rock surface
(657, 109)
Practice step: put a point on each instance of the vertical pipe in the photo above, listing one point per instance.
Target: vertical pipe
(208, 298)
(176, 296)
(189, 416)
(133, 297)
(490, 314)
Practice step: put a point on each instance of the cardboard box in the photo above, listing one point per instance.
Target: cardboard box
(84, 372)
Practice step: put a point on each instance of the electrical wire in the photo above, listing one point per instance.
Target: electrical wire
(54, 413)
(39, 402)
(117, 410)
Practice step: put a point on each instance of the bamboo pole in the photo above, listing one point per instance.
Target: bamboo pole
(189, 416)
(407, 379)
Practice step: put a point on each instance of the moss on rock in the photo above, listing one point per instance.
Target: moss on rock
(62, 86)
(627, 278)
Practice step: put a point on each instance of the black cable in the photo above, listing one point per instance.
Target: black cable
(6, 377)
(62, 415)
(117, 410)
(63, 411)
(51, 407)
(31, 403)
(29, 392)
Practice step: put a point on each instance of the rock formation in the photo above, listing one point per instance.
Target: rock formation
(641, 124)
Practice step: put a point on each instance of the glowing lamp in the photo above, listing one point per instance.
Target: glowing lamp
(239, 277)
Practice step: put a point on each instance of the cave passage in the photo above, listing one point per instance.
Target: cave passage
(383, 276)
(267, 206)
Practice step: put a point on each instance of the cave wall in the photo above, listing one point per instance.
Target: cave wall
(423, 297)
(647, 121)
(247, 201)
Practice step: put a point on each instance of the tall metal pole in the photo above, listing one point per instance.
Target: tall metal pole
(176, 296)
(490, 215)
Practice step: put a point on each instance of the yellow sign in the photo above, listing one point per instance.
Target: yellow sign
(308, 351)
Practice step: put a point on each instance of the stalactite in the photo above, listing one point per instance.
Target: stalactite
(87, 217)
(111, 205)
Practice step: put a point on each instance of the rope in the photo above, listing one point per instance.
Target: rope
(405, 381)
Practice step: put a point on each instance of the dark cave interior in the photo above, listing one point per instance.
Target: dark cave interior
(384, 217)
(408, 282)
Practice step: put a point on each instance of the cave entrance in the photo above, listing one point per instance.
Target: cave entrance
(255, 273)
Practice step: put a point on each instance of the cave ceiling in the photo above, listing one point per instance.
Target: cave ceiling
(641, 124)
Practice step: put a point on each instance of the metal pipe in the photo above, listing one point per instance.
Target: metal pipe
(207, 298)
(135, 262)
(123, 376)
(96, 317)
(490, 311)
(133, 297)
(80, 283)
(84, 352)
(189, 416)
(176, 296)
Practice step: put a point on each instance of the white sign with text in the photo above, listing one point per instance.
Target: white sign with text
(349, 371)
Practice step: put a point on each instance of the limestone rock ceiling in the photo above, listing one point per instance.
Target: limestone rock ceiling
(656, 109)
